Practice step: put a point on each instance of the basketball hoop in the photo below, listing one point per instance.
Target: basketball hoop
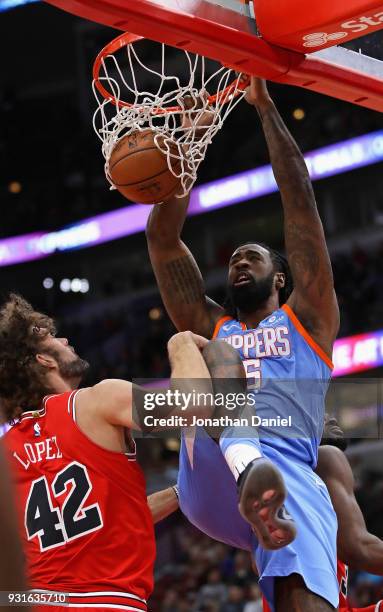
(184, 118)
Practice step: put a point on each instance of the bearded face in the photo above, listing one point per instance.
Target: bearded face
(249, 293)
(71, 367)
(56, 353)
(251, 278)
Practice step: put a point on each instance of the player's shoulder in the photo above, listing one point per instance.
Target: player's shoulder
(332, 461)
(107, 395)
(110, 401)
(331, 455)
(331, 452)
(108, 388)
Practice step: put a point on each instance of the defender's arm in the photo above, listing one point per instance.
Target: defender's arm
(178, 276)
(356, 546)
(313, 298)
(162, 504)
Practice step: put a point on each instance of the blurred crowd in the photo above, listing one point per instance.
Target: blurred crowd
(359, 286)
(202, 575)
(205, 576)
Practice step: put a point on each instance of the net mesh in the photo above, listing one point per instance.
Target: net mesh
(183, 116)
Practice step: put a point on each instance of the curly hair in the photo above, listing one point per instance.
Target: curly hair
(22, 329)
(280, 264)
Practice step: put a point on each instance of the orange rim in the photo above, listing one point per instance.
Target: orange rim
(126, 39)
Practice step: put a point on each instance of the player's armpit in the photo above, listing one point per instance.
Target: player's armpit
(178, 276)
(356, 546)
(163, 503)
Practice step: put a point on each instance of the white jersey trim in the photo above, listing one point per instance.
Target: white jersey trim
(92, 594)
(98, 594)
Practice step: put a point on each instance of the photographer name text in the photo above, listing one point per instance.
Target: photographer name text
(224, 421)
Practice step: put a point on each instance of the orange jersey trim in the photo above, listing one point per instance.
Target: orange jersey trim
(219, 324)
(299, 327)
(223, 320)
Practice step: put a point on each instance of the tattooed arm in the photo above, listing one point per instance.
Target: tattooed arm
(178, 276)
(313, 298)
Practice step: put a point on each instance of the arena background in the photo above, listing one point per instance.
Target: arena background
(105, 297)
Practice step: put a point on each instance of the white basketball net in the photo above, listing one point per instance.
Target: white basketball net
(184, 135)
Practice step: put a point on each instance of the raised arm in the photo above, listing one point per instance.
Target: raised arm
(356, 546)
(178, 276)
(313, 298)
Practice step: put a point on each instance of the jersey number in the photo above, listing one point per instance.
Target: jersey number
(53, 526)
(253, 373)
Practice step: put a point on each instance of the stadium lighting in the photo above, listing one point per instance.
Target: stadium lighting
(65, 285)
(75, 285)
(48, 283)
(84, 285)
(299, 114)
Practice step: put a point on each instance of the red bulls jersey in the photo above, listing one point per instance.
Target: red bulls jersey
(342, 573)
(84, 519)
(344, 606)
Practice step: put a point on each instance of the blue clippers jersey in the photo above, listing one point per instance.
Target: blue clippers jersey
(288, 373)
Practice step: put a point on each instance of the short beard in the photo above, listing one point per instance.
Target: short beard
(248, 298)
(75, 369)
(341, 443)
(72, 369)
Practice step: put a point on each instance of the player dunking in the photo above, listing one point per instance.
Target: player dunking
(280, 332)
(84, 520)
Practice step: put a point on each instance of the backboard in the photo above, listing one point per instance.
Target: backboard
(289, 41)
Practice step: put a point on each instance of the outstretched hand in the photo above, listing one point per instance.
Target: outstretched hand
(195, 118)
(257, 93)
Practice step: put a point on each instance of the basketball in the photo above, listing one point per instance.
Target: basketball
(139, 170)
